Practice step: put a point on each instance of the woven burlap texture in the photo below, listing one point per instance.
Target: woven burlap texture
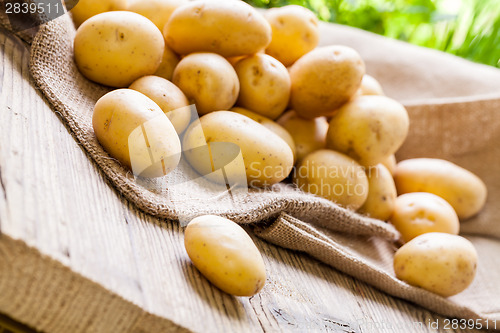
(453, 105)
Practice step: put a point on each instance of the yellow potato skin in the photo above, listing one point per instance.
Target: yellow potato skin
(381, 193)
(463, 190)
(390, 163)
(370, 86)
(295, 32)
(158, 11)
(418, 213)
(208, 80)
(224, 253)
(168, 63)
(264, 85)
(324, 79)
(116, 48)
(85, 9)
(168, 97)
(369, 129)
(333, 176)
(229, 28)
(308, 134)
(267, 158)
(268, 123)
(438, 262)
(121, 113)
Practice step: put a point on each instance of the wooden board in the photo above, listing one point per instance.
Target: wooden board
(76, 257)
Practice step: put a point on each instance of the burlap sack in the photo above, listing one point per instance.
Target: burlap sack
(452, 105)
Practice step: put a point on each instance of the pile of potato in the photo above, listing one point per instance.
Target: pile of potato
(296, 110)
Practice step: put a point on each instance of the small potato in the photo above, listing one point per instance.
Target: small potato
(324, 79)
(264, 85)
(381, 193)
(333, 176)
(136, 132)
(390, 163)
(224, 253)
(229, 28)
(294, 33)
(463, 190)
(169, 61)
(116, 48)
(208, 80)
(168, 97)
(158, 11)
(308, 134)
(268, 123)
(368, 129)
(85, 9)
(370, 86)
(441, 263)
(418, 213)
(267, 158)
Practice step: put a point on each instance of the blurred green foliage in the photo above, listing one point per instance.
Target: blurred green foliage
(467, 28)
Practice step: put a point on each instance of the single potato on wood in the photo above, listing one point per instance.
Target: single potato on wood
(224, 253)
(168, 97)
(295, 32)
(369, 129)
(381, 193)
(116, 48)
(325, 79)
(463, 190)
(208, 80)
(308, 134)
(418, 213)
(438, 262)
(135, 131)
(264, 85)
(229, 28)
(333, 176)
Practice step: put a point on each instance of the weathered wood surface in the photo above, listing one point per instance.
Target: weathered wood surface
(75, 257)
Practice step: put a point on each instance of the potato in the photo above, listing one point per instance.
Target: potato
(135, 131)
(381, 193)
(224, 253)
(324, 79)
(158, 11)
(168, 63)
(465, 192)
(267, 158)
(208, 80)
(390, 163)
(295, 32)
(264, 85)
(269, 124)
(85, 9)
(438, 262)
(116, 48)
(333, 176)
(168, 97)
(418, 213)
(229, 28)
(370, 86)
(308, 134)
(369, 129)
